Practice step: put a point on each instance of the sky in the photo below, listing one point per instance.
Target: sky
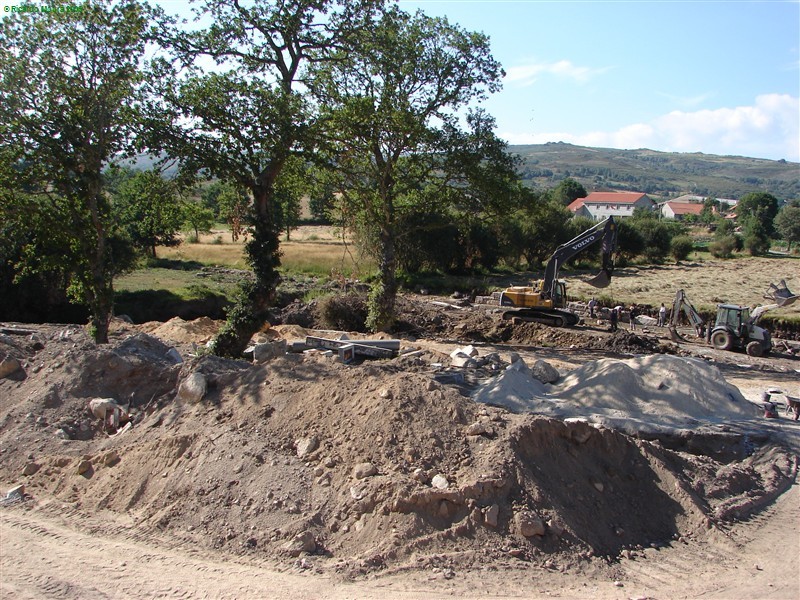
(719, 77)
(712, 76)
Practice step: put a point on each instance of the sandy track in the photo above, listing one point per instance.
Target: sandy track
(43, 557)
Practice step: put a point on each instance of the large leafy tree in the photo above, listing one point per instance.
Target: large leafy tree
(760, 206)
(70, 87)
(397, 145)
(149, 209)
(568, 190)
(787, 223)
(244, 122)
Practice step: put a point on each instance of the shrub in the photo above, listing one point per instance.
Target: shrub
(344, 312)
(681, 247)
(723, 247)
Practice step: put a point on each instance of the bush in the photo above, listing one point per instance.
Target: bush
(681, 247)
(344, 312)
(723, 247)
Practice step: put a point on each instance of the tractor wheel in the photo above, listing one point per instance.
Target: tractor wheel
(722, 340)
(755, 348)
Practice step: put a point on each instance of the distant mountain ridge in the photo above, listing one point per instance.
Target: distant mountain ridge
(660, 174)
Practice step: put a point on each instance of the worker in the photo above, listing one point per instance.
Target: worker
(592, 306)
(662, 315)
(614, 317)
(770, 411)
(634, 311)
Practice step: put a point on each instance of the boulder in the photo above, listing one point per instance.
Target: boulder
(545, 372)
(302, 542)
(529, 524)
(364, 470)
(193, 388)
(306, 446)
(268, 351)
(8, 366)
(440, 482)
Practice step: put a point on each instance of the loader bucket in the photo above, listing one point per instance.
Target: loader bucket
(675, 336)
(780, 294)
(601, 280)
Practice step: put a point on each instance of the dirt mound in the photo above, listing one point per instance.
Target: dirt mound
(357, 467)
(627, 342)
(178, 331)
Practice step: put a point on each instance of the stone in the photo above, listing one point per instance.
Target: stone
(174, 356)
(8, 366)
(478, 428)
(556, 527)
(31, 469)
(363, 470)
(440, 482)
(459, 359)
(268, 351)
(528, 524)
(306, 445)
(514, 357)
(490, 515)
(385, 394)
(62, 434)
(302, 542)
(599, 486)
(193, 388)
(84, 467)
(545, 372)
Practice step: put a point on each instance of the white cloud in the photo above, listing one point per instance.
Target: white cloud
(524, 75)
(770, 128)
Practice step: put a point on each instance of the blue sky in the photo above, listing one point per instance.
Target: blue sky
(698, 76)
(719, 77)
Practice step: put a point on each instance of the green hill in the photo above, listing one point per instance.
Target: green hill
(664, 174)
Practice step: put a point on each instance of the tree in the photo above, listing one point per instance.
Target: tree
(71, 85)
(200, 218)
(760, 206)
(787, 223)
(149, 210)
(567, 191)
(243, 123)
(396, 141)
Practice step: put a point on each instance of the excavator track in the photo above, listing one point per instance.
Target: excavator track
(553, 318)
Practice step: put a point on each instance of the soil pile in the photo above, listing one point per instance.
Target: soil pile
(352, 467)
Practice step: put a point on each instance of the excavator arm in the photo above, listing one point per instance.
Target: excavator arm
(682, 305)
(607, 232)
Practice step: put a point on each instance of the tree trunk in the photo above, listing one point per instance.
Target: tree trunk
(384, 291)
(251, 308)
(100, 290)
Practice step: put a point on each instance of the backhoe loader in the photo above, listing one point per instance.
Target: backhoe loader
(546, 301)
(735, 326)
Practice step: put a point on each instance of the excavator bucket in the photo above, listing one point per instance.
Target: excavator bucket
(601, 280)
(780, 294)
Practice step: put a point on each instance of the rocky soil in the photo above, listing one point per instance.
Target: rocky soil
(381, 466)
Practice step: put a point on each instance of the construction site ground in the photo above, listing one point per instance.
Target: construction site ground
(302, 477)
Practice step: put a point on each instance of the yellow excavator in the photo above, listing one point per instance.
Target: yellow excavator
(735, 326)
(545, 302)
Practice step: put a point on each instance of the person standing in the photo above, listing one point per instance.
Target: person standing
(614, 318)
(633, 314)
(592, 306)
(662, 315)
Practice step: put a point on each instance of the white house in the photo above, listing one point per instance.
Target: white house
(679, 210)
(600, 205)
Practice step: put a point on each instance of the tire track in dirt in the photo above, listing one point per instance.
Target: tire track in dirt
(758, 559)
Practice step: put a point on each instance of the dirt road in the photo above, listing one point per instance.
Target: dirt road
(43, 556)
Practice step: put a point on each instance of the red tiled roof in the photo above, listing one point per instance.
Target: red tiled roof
(576, 204)
(685, 208)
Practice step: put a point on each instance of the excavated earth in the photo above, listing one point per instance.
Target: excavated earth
(377, 466)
